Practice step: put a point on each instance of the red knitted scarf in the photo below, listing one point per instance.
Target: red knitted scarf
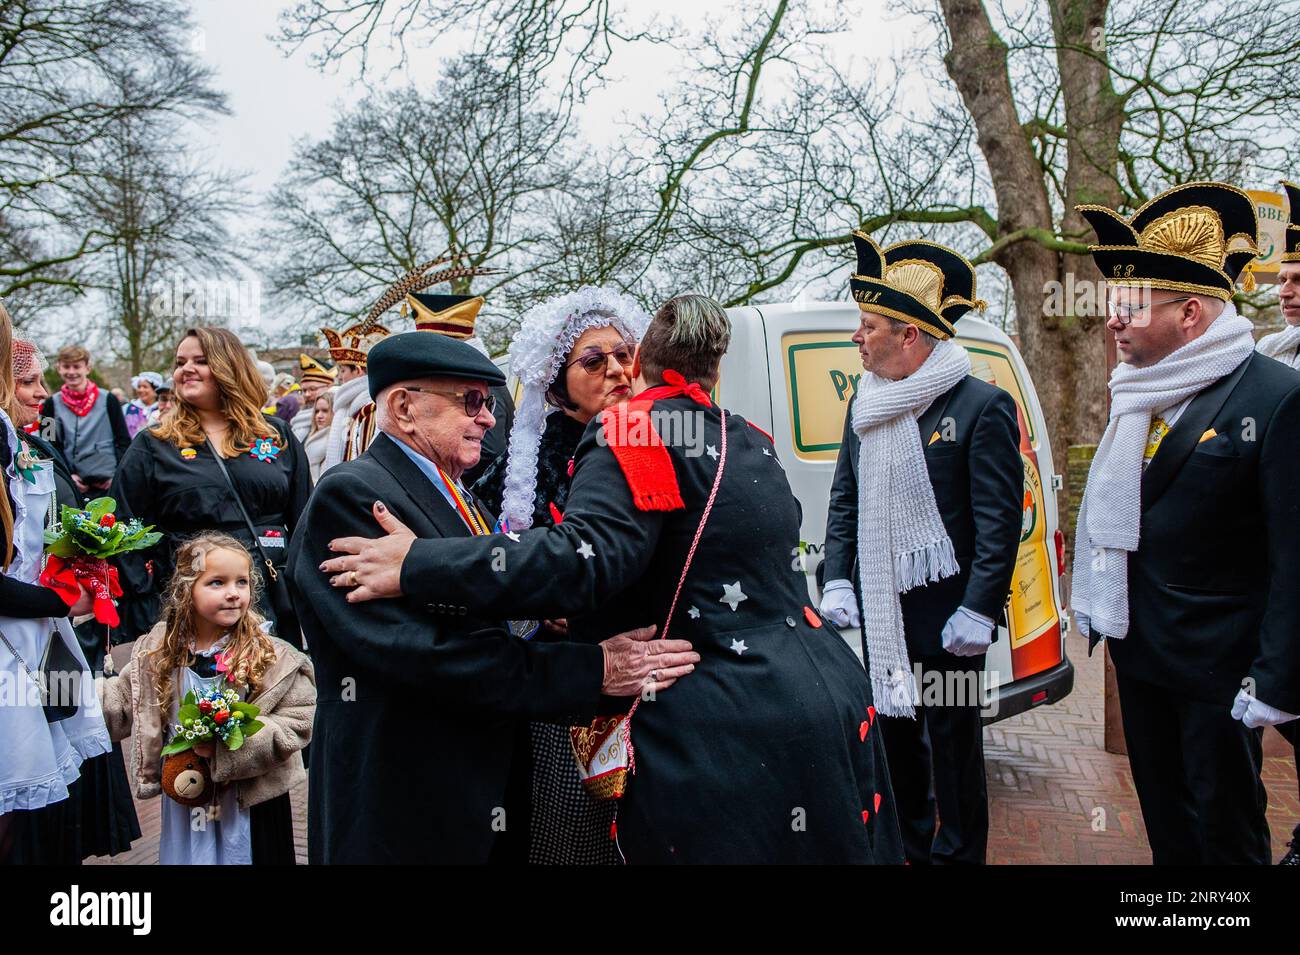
(80, 403)
(639, 449)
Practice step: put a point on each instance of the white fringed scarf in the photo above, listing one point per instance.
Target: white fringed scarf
(1111, 511)
(1281, 345)
(902, 542)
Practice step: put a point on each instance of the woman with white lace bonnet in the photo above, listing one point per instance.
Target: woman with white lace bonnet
(573, 357)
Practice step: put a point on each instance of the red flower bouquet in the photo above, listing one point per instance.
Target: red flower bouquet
(78, 548)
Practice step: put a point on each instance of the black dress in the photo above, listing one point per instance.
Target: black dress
(181, 492)
(567, 826)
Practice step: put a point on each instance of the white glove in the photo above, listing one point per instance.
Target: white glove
(967, 633)
(840, 604)
(1254, 713)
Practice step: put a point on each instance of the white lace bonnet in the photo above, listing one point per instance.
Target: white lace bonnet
(545, 337)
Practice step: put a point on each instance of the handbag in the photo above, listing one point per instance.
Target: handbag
(277, 591)
(603, 748)
(59, 668)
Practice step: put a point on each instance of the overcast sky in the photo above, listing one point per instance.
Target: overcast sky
(277, 99)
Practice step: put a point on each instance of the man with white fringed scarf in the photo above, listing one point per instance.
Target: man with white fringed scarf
(922, 534)
(1187, 550)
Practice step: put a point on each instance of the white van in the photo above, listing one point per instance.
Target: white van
(793, 369)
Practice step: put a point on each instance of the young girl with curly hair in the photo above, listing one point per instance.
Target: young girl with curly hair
(211, 638)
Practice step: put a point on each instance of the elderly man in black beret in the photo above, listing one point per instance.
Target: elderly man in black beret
(418, 702)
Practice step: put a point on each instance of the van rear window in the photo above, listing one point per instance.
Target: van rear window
(821, 377)
(822, 370)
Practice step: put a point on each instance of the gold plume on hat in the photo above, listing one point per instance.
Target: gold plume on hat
(415, 280)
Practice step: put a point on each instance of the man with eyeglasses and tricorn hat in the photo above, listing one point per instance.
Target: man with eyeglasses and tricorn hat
(418, 698)
(922, 533)
(1187, 552)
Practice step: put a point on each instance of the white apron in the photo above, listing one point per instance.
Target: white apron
(38, 759)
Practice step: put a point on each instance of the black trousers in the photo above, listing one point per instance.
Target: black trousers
(936, 762)
(1197, 775)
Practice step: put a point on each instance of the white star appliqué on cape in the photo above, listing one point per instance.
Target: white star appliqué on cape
(732, 595)
(711, 451)
(768, 452)
(587, 551)
(738, 646)
(513, 536)
(693, 613)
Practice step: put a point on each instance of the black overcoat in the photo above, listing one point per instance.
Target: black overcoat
(418, 698)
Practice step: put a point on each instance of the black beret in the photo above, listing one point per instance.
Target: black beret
(427, 355)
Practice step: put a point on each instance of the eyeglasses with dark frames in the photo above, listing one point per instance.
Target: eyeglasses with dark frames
(474, 400)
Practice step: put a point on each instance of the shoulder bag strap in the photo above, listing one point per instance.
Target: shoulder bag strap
(270, 568)
(626, 728)
(40, 685)
(699, 531)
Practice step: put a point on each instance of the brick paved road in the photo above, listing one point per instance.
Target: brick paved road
(1047, 772)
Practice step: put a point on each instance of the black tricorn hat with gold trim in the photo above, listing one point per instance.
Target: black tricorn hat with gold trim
(922, 283)
(1291, 250)
(1194, 238)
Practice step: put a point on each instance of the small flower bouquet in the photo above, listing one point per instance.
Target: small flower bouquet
(216, 715)
(78, 548)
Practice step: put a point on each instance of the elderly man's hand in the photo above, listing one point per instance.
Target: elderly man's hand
(373, 568)
(635, 661)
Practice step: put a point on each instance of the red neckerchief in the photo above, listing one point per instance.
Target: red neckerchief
(674, 385)
(80, 403)
(639, 449)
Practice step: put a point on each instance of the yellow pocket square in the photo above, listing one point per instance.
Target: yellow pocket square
(1209, 433)
(933, 438)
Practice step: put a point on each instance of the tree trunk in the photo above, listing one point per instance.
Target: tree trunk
(1065, 355)
(1094, 120)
